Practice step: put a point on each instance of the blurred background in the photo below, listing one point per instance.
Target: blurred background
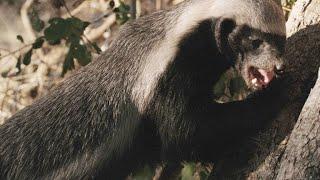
(43, 41)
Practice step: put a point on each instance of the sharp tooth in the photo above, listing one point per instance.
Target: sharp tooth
(254, 81)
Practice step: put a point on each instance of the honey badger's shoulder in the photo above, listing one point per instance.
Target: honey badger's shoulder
(184, 18)
(265, 15)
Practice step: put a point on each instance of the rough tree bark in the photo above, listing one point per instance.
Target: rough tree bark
(298, 156)
(290, 147)
(301, 159)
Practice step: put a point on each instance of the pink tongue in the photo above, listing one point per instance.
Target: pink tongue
(267, 76)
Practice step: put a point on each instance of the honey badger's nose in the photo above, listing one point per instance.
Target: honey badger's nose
(279, 69)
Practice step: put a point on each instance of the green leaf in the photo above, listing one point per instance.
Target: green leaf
(237, 84)
(68, 63)
(188, 171)
(74, 39)
(54, 42)
(18, 65)
(219, 88)
(123, 7)
(57, 30)
(116, 10)
(96, 47)
(122, 13)
(19, 37)
(77, 23)
(85, 24)
(81, 53)
(69, 29)
(76, 26)
(122, 18)
(55, 20)
(204, 175)
(27, 57)
(145, 173)
(38, 43)
(36, 23)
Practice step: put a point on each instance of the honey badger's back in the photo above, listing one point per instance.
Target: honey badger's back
(86, 125)
(90, 125)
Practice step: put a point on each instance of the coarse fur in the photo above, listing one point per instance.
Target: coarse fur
(148, 98)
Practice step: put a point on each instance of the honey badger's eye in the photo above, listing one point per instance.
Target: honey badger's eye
(256, 43)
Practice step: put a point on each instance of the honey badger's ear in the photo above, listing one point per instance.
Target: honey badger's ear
(223, 28)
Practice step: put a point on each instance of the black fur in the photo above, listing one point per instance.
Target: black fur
(89, 127)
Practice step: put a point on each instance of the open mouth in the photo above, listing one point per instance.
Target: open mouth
(260, 78)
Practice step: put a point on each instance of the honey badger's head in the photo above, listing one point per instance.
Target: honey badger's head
(253, 39)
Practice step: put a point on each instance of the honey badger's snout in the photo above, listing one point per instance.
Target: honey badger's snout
(261, 76)
(279, 69)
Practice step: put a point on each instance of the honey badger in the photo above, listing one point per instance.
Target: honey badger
(148, 98)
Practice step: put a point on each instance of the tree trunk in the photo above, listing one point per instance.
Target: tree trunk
(275, 154)
(301, 159)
